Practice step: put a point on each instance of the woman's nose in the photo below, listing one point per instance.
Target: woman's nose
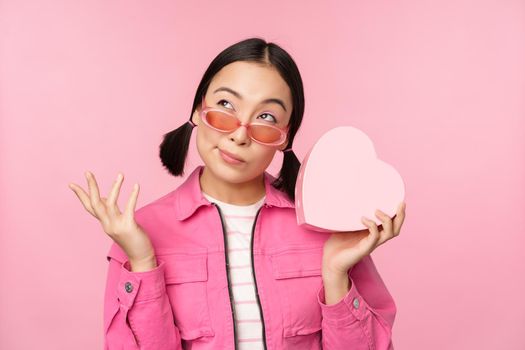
(240, 135)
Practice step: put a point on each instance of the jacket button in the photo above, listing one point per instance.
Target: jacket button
(356, 303)
(129, 287)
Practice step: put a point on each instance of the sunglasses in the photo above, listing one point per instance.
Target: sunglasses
(227, 122)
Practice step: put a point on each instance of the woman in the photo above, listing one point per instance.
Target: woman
(220, 262)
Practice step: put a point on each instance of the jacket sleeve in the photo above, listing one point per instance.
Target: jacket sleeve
(137, 311)
(363, 319)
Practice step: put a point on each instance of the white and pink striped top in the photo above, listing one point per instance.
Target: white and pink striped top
(238, 221)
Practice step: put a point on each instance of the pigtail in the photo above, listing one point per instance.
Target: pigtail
(174, 148)
(288, 174)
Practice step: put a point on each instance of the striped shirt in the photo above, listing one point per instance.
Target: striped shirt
(239, 220)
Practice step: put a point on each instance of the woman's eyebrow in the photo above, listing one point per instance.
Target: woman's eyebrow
(236, 94)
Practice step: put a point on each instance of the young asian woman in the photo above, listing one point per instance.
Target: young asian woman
(220, 262)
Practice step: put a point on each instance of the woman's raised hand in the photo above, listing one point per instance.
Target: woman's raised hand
(121, 227)
(344, 249)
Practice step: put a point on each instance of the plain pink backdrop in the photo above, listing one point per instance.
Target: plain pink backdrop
(439, 86)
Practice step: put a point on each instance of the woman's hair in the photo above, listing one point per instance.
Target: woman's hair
(174, 147)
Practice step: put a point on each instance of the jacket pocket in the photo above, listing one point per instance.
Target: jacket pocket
(297, 273)
(186, 278)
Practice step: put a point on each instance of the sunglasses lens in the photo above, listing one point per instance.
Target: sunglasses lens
(265, 134)
(221, 121)
(228, 123)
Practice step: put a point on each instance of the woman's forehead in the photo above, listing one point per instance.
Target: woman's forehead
(250, 82)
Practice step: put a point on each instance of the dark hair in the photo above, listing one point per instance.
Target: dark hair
(174, 147)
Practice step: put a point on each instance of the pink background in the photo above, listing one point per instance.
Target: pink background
(439, 86)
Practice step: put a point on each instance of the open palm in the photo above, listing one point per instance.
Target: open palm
(120, 226)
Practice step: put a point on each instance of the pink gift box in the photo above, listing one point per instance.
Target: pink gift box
(342, 179)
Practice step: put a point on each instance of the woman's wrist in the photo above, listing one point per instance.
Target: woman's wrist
(336, 286)
(142, 265)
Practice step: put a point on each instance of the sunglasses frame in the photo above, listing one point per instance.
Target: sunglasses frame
(205, 109)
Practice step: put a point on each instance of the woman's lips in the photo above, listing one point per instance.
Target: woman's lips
(230, 158)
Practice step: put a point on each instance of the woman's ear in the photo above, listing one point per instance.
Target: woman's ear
(195, 117)
(283, 146)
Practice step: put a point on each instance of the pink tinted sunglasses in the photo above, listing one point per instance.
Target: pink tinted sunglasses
(227, 122)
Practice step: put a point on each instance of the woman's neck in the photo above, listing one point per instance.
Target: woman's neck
(245, 193)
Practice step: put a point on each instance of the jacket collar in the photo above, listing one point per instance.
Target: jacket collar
(188, 196)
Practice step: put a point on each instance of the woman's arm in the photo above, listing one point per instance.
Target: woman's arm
(137, 311)
(358, 311)
(364, 317)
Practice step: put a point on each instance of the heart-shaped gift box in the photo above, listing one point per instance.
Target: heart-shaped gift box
(342, 179)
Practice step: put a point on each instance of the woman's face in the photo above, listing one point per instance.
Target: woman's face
(253, 83)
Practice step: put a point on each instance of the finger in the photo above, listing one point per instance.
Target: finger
(94, 196)
(373, 237)
(132, 202)
(400, 218)
(113, 195)
(382, 236)
(83, 197)
(387, 232)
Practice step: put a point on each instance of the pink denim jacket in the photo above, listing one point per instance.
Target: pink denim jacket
(184, 303)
